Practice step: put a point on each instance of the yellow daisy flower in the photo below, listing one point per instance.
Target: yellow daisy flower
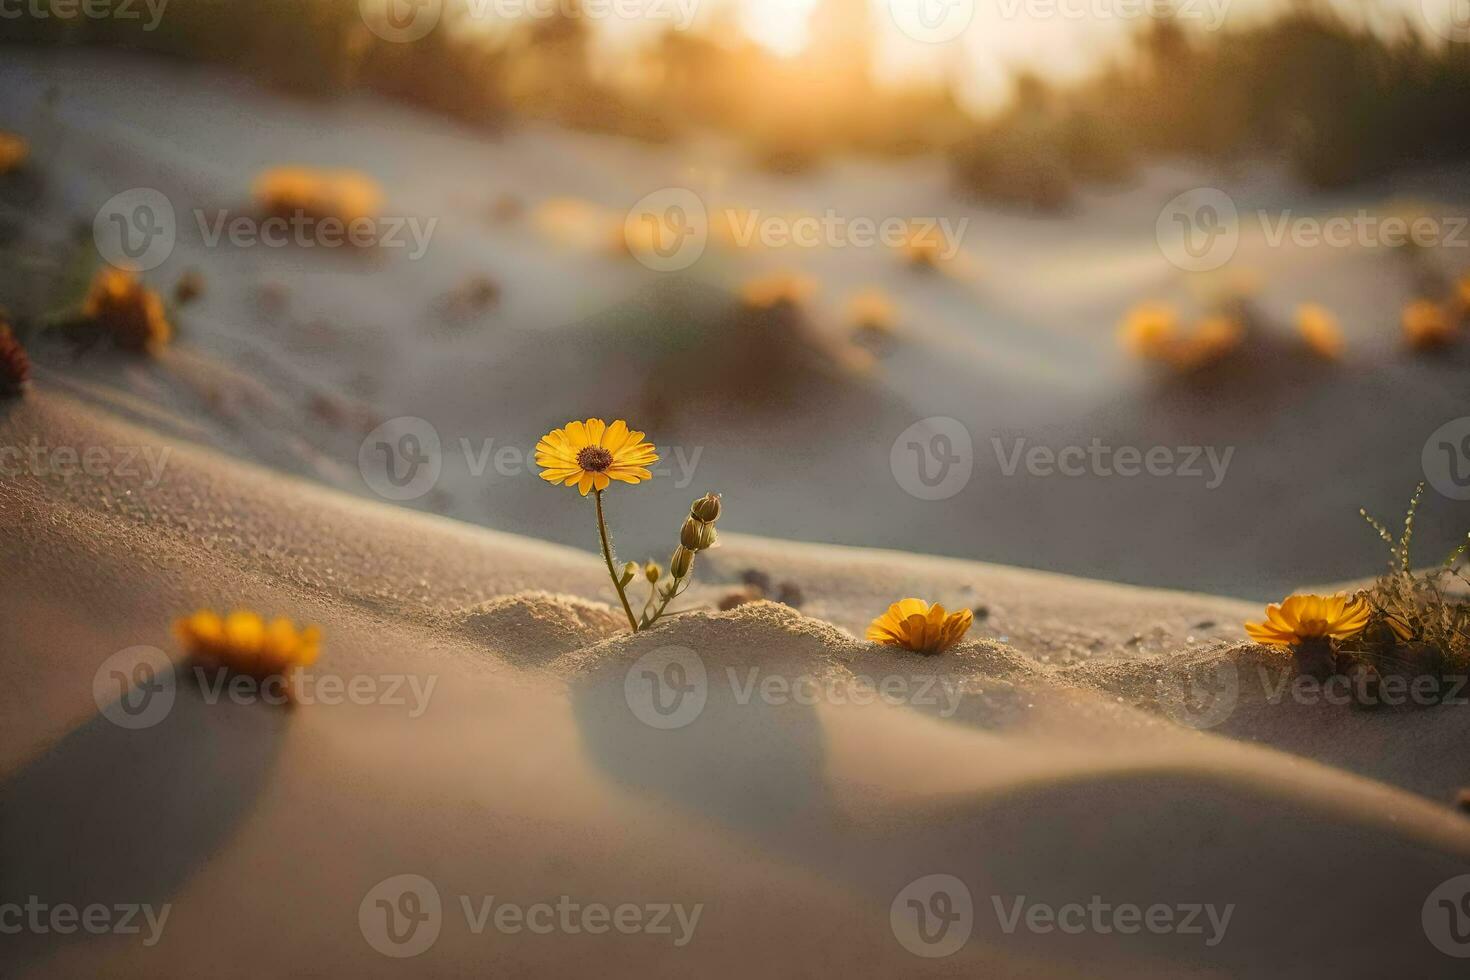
(1426, 325)
(915, 625)
(590, 455)
(245, 643)
(13, 151)
(131, 312)
(344, 194)
(1306, 617)
(1149, 330)
(1318, 327)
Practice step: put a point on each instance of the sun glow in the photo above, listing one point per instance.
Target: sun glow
(780, 26)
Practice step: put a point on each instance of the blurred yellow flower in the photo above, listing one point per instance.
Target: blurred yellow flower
(1211, 339)
(1318, 327)
(1304, 617)
(1149, 330)
(872, 310)
(914, 625)
(343, 194)
(923, 246)
(1427, 325)
(13, 151)
(590, 455)
(777, 289)
(128, 310)
(246, 644)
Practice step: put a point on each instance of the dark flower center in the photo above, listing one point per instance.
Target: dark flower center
(594, 459)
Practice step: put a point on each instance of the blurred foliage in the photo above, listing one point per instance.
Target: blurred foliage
(1337, 102)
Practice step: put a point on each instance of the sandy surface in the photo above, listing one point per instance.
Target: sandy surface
(1016, 343)
(1052, 764)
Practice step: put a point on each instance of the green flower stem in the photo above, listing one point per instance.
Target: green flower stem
(608, 557)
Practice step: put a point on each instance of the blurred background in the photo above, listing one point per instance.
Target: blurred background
(1159, 293)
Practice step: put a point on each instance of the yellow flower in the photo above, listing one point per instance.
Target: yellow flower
(872, 310)
(13, 151)
(591, 454)
(1149, 330)
(1212, 338)
(343, 194)
(1304, 617)
(245, 643)
(922, 246)
(1427, 325)
(130, 311)
(778, 289)
(1318, 327)
(914, 625)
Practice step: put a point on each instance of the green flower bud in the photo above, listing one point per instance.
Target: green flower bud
(706, 508)
(651, 571)
(692, 534)
(707, 537)
(682, 561)
(629, 570)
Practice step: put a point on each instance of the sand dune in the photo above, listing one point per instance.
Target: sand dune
(1043, 763)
